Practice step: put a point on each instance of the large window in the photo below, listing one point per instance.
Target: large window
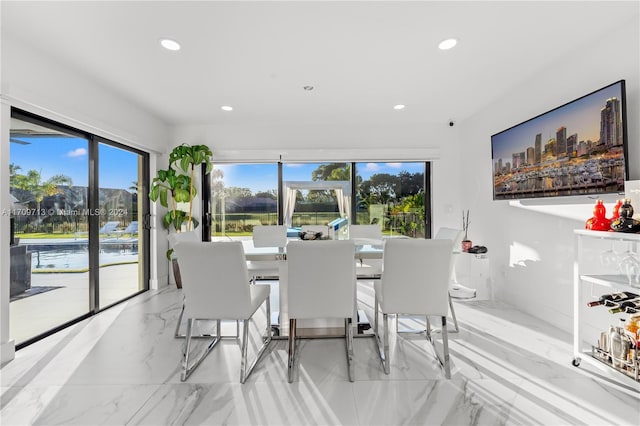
(76, 220)
(314, 193)
(243, 196)
(394, 195)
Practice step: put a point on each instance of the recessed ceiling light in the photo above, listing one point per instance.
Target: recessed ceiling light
(169, 44)
(226, 108)
(447, 44)
(399, 106)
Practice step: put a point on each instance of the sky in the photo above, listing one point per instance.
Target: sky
(69, 156)
(264, 177)
(581, 116)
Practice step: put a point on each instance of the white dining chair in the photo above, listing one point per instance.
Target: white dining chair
(454, 235)
(372, 235)
(414, 281)
(267, 236)
(216, 287)
(321, 284)
(181, 237)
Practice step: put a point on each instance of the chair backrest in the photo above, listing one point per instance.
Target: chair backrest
(183, 237)
(415, 276)
(321, 279)
(452, 234)
(269, 236)
(365, 231)
(215, 280)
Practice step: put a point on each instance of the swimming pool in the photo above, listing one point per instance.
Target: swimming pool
(73, 256)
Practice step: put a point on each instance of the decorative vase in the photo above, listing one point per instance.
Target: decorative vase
(176, 272)
(599, 222)
(626, 222)
(466, 245)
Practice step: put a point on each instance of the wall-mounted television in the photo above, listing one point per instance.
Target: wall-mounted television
(579, 148)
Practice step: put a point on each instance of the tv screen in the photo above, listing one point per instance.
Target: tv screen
(579, 148)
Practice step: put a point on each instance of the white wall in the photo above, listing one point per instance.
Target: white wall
(33, 81)
(532, 253)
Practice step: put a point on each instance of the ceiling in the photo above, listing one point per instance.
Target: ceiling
(361, 57)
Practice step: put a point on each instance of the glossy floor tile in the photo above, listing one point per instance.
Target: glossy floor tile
(123, 367)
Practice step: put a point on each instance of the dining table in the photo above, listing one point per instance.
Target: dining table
(365, 249)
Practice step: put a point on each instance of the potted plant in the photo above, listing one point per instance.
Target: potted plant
(466, 242)
(175, 190)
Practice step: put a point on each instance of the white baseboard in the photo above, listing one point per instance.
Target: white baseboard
(7, 351)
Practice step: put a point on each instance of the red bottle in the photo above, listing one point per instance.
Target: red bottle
(616, 210)
(599, 222)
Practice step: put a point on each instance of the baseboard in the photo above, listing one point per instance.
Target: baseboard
(7, 351)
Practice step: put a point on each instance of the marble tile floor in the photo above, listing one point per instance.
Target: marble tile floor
(122, 367)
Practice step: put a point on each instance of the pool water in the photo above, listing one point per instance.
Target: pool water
(68, 260)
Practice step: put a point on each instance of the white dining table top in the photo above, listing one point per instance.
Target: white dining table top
(366, 248)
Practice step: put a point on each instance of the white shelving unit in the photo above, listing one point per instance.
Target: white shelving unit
(596, 272)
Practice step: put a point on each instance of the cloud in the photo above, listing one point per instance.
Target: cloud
(372, 167)
(78, 152)
(394, 165)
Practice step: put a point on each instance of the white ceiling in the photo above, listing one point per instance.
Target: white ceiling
(362, 57)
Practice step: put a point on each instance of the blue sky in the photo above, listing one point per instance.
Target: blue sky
(264, 177)
(581, 117)
(118, 168)
(69, 156)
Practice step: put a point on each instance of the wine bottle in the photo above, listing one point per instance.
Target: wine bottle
(610, 299)
(628, 306)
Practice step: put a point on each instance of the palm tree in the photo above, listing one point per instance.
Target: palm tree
(134, 186)
(13, 173)
(33, 183)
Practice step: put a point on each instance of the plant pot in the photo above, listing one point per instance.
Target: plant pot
(176, 272)
(466, 245)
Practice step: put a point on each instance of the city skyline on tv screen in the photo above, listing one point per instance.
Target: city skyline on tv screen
(575, 149)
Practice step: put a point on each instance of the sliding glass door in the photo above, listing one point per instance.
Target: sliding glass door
(122, 204)
(49, 261)
(78, 245)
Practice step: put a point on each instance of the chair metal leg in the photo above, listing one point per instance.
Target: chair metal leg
(385, 325)
(444, 360)
(292, 348)
(188, 369)
(427, 330)
(375, 315)
(245, 371)
(376, 330)
(456, 329)
(177, 332)
(243, 348)
(348, 331)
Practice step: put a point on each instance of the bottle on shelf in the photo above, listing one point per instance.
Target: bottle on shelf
(631, 306)
(613, 298)
(620, 345)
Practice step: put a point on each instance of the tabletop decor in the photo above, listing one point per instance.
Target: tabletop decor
(466, 242)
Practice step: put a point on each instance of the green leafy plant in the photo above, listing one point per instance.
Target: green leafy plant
(174, 185)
